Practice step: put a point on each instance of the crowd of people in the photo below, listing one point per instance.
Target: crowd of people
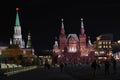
(96, 65)
(47, 65)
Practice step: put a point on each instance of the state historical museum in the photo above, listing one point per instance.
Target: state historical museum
(72, 48)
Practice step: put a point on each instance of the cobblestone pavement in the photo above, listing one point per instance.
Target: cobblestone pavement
(79, 72)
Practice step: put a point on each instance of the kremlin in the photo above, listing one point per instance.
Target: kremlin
(18, 51)
(68, 48)
(59, 40)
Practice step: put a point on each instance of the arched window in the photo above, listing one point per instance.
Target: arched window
(72, 49)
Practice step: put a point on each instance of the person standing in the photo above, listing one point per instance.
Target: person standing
(107, 67)
(114, 62)
(47, 65)
(94, 66)
(61, 66)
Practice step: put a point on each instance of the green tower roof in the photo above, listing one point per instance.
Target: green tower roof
(29, 41)
(28, 44)
(17, 21)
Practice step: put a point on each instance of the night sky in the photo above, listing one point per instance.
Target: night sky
(43, 19)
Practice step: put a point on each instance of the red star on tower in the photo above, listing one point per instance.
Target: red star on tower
(17, 9)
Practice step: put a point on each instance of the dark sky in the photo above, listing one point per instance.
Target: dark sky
(43, 19)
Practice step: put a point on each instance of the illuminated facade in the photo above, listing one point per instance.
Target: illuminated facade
(2, 47)
(102, 46)
(71, 48)
(116, 50)
(17, 38)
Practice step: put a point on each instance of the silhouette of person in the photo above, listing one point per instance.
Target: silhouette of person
(107, 67)
(94, 66)
(47, 65)
(61, 66)
(98, 65)
(114, 65)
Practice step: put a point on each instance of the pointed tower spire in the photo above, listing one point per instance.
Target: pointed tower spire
(82, 27)
(10, 41)
(29, 41)
(56, 42)
(62, 27)
(17, 21)
(82, 38)
(17, 37)
(62, 37)
(89, 41)
(55, 46)
(62, 22)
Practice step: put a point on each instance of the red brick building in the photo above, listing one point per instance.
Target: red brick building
(73, 48)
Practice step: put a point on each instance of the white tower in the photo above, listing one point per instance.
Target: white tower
(17, 37)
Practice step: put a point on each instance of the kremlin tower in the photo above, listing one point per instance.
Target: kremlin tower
(82, 39)
(62, 37)
(17, 37)
(28, 45)
(17, 51)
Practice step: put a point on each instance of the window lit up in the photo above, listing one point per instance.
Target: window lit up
(24, 52)
(102, 52)
(106, 46)
(109, 46)
(100, 47)
(103, 46)
(109, 42)
(59, 56)
(100, 42)
(72, 49)
(98, 38)
(62, 50)
(96, 53)
(103, 42)
(106, 42)
(0, 53)
(118, 41)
